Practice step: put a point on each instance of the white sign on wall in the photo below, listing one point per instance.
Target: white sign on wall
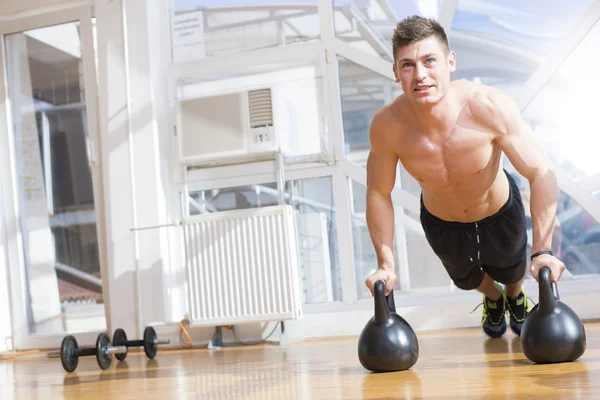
(188, 36)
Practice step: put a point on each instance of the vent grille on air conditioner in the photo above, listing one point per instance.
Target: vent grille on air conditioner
(261, 110)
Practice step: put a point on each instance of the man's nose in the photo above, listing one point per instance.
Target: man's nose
(420, 72)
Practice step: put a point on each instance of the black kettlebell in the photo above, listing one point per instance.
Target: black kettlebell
(387, 343)
(552, 332)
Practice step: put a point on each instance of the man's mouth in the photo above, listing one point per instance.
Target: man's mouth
(423, 88)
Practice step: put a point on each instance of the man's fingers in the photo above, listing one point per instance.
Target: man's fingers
(561, 269)
(534, 272)
(557, 272)
(388, 277)
(370, 285)
(389, 285)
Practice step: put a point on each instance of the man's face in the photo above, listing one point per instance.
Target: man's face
(423, 69)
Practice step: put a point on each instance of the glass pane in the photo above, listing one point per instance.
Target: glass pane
(363, 92)
(209, 28)
(569, 129)
(315, 220)
(424, 267)
(369, 25)
(576, 235)
(503, 42)
(56, 199)
(365, 259)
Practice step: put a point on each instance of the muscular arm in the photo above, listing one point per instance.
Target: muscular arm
(518, 142)
(381, 176)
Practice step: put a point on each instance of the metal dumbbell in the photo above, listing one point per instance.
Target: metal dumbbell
(149, 343)
(70, 352)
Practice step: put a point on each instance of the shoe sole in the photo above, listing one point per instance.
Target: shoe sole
(499, 334)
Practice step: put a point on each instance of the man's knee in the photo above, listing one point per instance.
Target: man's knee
(471, 282)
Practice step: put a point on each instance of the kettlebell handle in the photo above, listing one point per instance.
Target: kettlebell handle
(555, 290)
(544, 275)
(379, 290)
(390, 301)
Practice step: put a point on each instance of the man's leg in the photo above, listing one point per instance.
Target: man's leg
(493, 320)
(514, 289)
(518, 306)
(516, 298)
(489, 288)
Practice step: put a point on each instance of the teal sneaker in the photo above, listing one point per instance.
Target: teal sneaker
(493, 320)
(518, 309)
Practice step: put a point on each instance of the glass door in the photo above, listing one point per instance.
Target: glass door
(50, 167)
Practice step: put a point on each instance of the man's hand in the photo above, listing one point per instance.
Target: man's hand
(556, 266)
(381, 274)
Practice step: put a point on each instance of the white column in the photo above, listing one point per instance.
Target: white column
(119, 283)
(147, 25)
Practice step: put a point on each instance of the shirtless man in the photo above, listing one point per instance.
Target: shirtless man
(450, 136)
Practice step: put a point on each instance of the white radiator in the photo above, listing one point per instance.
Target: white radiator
(242, 266)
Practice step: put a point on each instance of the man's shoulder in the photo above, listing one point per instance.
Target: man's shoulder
(486, 104)
(389, 122)
(393, 113)
(479, 94)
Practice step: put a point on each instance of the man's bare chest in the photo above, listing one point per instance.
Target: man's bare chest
(454, 159)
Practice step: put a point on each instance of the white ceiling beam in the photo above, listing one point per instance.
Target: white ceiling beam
(447, 14)
(590, 184)
(359, 57)
(367, 32)
(547, 69)
(570, 187)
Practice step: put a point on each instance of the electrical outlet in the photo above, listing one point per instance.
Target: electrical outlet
(261, 137)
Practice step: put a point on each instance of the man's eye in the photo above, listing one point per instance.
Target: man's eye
(430, 60)
(407, 65)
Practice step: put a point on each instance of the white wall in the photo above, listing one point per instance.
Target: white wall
(8, 7)
(5, 320)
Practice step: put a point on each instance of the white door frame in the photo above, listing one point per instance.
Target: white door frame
(22, 339)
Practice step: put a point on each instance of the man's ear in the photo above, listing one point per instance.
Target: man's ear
(395, 69)
(452, 61)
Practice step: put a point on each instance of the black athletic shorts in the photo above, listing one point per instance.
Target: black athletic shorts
(496, 245)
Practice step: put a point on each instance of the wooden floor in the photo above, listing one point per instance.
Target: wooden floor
(458, 364)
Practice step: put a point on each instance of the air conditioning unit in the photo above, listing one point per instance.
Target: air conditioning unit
(249, 118)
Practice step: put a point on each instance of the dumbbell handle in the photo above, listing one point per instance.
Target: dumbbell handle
(140, 343)
(91, 351)
(116, 349)
(85, 352)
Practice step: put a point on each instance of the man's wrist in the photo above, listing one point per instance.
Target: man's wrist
(536, 248)
(386, 267)
(539, 253)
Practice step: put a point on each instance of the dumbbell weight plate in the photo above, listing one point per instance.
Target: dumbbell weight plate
(102, 356)
(67, 353)
(149, 345)
(120, 339)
